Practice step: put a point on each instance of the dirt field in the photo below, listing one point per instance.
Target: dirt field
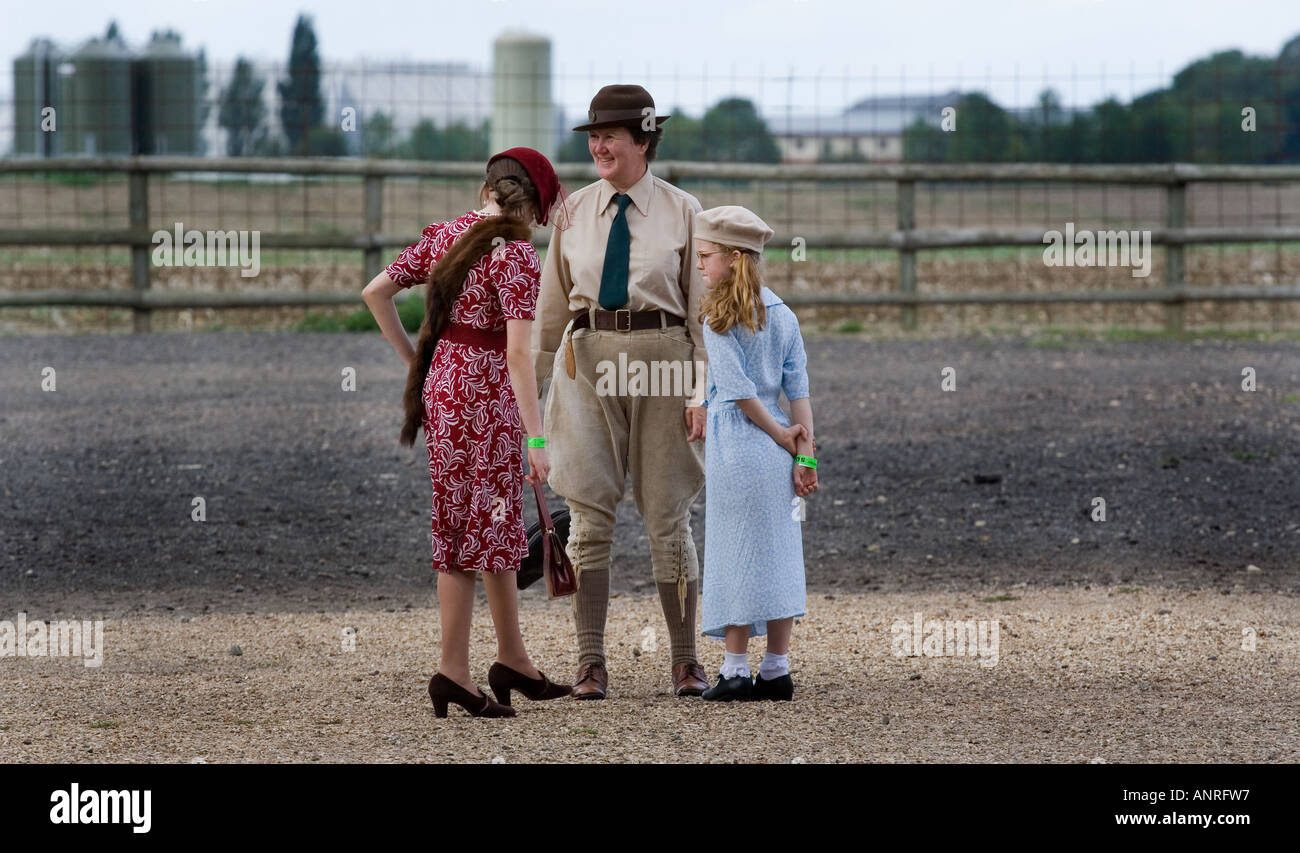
(974, 504)
(1082, 676)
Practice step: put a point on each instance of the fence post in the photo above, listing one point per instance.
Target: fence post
(907, 257)
(1175, 270)
(374, 212)
(138, 210)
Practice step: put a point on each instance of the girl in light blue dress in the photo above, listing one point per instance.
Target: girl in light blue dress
(758, 465)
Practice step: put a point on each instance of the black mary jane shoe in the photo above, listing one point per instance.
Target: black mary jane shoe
(737, 689)
(780, 689)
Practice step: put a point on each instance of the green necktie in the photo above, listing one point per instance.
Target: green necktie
(613, 278)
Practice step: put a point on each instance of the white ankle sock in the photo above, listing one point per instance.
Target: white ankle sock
(773, 666)
(734, 665)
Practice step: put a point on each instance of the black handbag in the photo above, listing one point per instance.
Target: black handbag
(530, 570)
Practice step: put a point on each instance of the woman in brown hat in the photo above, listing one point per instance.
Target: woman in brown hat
(621, 283)
(469, 384)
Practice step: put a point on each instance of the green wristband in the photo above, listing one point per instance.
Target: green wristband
(806, 461)
(536, 441)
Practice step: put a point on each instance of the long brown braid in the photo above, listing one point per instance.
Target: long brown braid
(517, 198)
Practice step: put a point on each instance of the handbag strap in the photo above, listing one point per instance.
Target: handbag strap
(543, 511)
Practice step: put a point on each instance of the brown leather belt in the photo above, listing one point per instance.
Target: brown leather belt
(623, 320)
(474, 336)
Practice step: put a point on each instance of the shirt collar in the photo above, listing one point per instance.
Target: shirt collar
(640, 193)
(770, 298)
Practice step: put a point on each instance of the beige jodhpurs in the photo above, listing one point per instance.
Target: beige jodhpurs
(594, 438)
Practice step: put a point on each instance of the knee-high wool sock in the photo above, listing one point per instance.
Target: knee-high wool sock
(590, 607)
(681, 619)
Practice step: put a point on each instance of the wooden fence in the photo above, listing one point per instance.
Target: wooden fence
(906, 239)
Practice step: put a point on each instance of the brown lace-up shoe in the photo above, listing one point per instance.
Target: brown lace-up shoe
(591, 682)
(689, 679)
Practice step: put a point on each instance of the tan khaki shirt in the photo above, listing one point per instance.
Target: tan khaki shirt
(661, 264)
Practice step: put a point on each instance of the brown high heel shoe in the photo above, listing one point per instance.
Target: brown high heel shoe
(443, 690)
(503, 679)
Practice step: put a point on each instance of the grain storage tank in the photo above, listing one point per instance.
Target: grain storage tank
(522, 113)
(36, 86)
(167, 98)
(96, 116)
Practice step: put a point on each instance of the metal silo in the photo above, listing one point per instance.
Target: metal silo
(522, 112)
(36, 86)
(96, 115)
(166, 98)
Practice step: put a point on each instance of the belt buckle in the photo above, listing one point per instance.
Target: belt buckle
(619, 328)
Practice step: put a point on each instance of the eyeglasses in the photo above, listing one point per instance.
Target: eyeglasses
(703, 255)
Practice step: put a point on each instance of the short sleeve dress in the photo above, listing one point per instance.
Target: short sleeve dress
(753, 539)
(471, 419)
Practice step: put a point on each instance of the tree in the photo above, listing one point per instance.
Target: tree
(268, 145)
(1198, 118)
(1045, 132)
(734, 132)
(242, 112)
(683, 138)
(457, 142)
(462, 142)
(985, 134)
(1159, 128)
(1212, 92)
(301, 105)
(575, 150)
(1114, 132)
(112, 33)
(425, 142)
(378, 138)
(923, 142)
(325, 141)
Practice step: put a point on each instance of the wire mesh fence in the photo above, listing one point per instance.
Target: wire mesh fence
(1227, 109)
(105, 98)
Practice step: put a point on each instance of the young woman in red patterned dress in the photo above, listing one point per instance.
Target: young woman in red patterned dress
(471, 359)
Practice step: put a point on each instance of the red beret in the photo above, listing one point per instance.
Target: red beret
(541, 173)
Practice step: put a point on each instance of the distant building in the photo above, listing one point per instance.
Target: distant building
(409, 92)
(871, 130)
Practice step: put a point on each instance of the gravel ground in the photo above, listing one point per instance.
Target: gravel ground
(312, 504)
(931, 501)
(1081, 676)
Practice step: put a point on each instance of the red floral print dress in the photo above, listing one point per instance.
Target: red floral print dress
(471, 419)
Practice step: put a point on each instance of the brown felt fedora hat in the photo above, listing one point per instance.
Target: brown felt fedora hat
(621, 105)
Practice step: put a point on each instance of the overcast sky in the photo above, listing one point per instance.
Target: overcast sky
(691, 52)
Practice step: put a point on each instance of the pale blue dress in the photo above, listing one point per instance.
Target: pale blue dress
(753, 536)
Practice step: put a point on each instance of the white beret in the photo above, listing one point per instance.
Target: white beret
(732, 225)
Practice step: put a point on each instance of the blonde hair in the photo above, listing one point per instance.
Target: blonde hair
(739, 299)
